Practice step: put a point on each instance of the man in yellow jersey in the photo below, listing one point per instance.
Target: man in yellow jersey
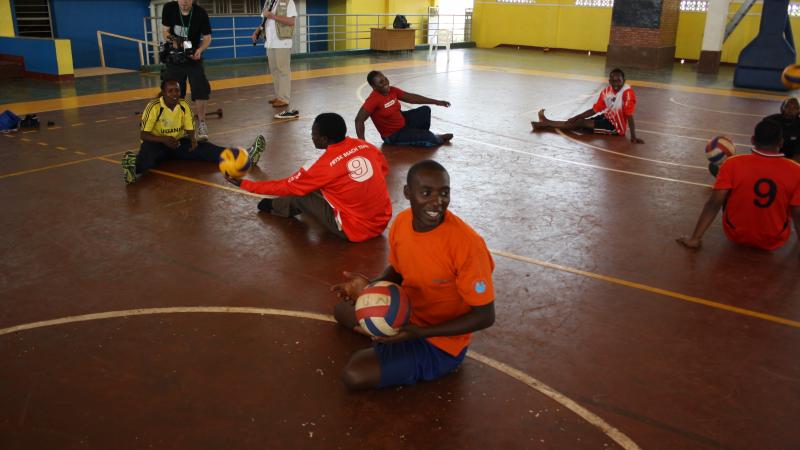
(168, 133)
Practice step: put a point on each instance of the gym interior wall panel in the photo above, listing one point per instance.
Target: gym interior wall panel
(79, 21)
(318, 26)
(6, 19)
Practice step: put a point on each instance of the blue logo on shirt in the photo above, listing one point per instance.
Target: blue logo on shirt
(480, 287)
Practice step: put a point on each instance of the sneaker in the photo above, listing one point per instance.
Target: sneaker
(201, 134)
(129, 167)
(288, 114)
(265, 205)
(255, 150)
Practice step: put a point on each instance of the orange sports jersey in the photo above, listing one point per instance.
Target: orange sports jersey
(617, 106)
(445, 272)
(763, 186)
(351, 175)
(385, 111)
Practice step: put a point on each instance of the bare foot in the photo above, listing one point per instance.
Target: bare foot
(542, 118)
(446, 137)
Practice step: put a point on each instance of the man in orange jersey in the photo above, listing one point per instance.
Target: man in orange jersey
(345, 189)
(760, 192)
(611, 114)
(445, 269)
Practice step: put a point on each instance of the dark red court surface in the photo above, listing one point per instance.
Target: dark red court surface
(594, 297)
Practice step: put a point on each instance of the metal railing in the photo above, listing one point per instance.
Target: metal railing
(313, 32)
(144, 54)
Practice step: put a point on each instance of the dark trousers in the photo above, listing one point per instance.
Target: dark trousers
(195, 72)
(152, 154)
(313, 204)
(417, 131)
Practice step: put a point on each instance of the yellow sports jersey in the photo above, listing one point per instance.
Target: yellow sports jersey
(159, 120)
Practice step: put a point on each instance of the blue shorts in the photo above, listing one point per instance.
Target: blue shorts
(408, 362)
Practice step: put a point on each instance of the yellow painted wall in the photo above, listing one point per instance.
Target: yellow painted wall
(336, 7)
(358, 28)
(6, 19)
(563, 25)
(64, 56)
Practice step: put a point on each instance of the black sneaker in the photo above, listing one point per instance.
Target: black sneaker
(265, 205)
(288, 114)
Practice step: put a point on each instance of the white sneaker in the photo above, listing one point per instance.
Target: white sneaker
(288, 114)
(201, 134)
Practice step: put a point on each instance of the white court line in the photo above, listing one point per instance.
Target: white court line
(713, 110)
(617, 436)
(658, 161)
(716, 132)
(551, 158)
(567, 102)
(361, 99)
(688, 137)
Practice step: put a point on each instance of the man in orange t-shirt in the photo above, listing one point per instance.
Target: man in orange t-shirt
(760, 192)
(445, 269)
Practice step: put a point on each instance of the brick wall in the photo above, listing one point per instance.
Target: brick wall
(649, 37)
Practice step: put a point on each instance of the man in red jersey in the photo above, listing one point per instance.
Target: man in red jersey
(345, 189)
(445, 269)
(411, 127)
(611, 114)
(759, 191)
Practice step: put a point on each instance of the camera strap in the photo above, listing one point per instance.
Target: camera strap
(183, 25)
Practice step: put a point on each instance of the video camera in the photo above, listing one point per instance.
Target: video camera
(172, 54)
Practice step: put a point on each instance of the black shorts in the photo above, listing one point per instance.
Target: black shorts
(603, 126)
(195, 72)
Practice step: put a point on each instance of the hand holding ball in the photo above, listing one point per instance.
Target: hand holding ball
(234, 162)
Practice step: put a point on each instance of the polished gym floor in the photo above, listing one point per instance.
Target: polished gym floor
(170, 314)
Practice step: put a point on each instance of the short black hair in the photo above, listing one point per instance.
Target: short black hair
(768, 133)
(371, 77)
(332, 126)
(619, 71)
(786, 102)
(428, 164)
(169, 80)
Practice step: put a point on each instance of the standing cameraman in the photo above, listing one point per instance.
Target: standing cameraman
(187, 27)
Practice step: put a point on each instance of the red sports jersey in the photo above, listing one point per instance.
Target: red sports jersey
(763, 186)
(385, 111)
(352, 177)
(617, 106)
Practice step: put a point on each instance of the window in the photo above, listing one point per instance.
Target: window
(794, 9)
(694, 5)
(595, 3)
(33, 18)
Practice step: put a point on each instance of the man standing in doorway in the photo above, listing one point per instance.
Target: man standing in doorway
(278, 26)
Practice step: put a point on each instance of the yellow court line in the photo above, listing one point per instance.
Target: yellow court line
(651, 289)
(55, 166)
(650, 84)
(605, 278)
(192, 180)
(106, 98)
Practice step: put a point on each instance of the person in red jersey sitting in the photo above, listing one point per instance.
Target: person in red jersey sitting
(760, 192)
(345, 189)
(611, 114)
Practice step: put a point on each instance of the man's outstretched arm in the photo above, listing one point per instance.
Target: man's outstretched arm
(361, 117)
(707, 216)
(417, 99)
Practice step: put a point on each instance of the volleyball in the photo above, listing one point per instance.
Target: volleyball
(382, 308)
(234, 162)
(791, 76)
(719, 148)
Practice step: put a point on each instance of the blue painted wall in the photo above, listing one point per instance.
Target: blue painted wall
(319, 24)
(79, 21)
(39, 53)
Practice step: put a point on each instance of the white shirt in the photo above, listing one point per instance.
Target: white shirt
(271, 32)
